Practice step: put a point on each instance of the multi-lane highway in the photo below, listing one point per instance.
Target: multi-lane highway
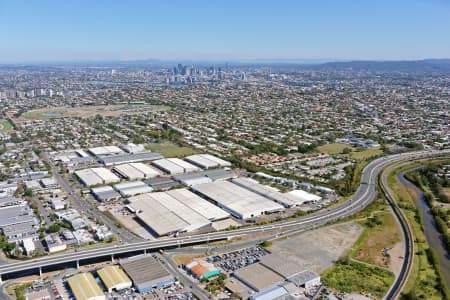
(364, 195)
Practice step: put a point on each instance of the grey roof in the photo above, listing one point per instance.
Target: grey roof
(303, 277)
(219, 174)
(128, 158)
(258, 277)
(16, 214)
(188, 176)
(281, 265)
(215, 174)
(107, 195)
(161, 183)
(145, 270)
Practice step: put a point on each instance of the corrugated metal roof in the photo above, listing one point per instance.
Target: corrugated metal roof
(238, 200)
(113, 276)
(84, 286)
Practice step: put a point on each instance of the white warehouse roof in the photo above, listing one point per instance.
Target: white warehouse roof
(106, 175)
(168, 166)
(164, 214)
(185, 165)
(239, 201)
(148, 171)
(87, 177)
(107, 150)
(286, 200)
(201, 161)
(221, 162)
(202, 206)
(303, 196)
(132, 188)
(129, 172)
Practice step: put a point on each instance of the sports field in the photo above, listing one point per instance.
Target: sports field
(89, 111)
(5, 126)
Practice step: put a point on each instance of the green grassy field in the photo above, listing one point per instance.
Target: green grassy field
(350, 276)
(368, 248)
(337, 148)
(5, 126)
(168, 149)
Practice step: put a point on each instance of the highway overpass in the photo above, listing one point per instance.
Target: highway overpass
(363, 196)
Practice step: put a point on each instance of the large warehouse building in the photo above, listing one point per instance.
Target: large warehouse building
(237, 200)
(147, 273)
(304, 197)
(129, 158)
(207, 161)
(202, 206)
(94, 176)
(114, 278)
(135, 171)
(84, 287)
(132, 188)
(269, 192)
(165, 214)
(174, 166)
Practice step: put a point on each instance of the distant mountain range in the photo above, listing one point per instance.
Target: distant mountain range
(425, 65)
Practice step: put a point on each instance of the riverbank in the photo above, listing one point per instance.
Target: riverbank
(432, 233)
(424, 273)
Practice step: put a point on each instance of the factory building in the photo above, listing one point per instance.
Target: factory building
(204, 176)
(95, 176)
(106, 151)
(133, 148)
(187, 167)
(164, 214)
(174, 166)
(129, 158)
(147, 273)
(88, 178)
(258, 277)
(84, 287)
(135, 171)
(161, 183)
(207, 161)
(17, 222)
(133, 188)
(192, 179)
(266, 191)
(168, 167)
(240, 202)
(105, 193)
(203, 207)
(304, 197)
(114, 278)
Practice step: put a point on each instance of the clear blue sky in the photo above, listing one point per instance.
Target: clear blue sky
(55, 30)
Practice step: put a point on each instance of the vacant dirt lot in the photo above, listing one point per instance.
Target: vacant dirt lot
(318, 249)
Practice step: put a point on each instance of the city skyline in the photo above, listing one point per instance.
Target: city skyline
(223, 31)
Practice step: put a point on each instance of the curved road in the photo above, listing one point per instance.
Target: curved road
(363, 196)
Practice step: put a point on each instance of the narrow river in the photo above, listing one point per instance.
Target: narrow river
(431, 234)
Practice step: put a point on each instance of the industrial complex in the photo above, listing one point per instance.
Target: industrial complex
(238, 201)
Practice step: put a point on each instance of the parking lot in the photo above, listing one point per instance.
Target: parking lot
(232, 261)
